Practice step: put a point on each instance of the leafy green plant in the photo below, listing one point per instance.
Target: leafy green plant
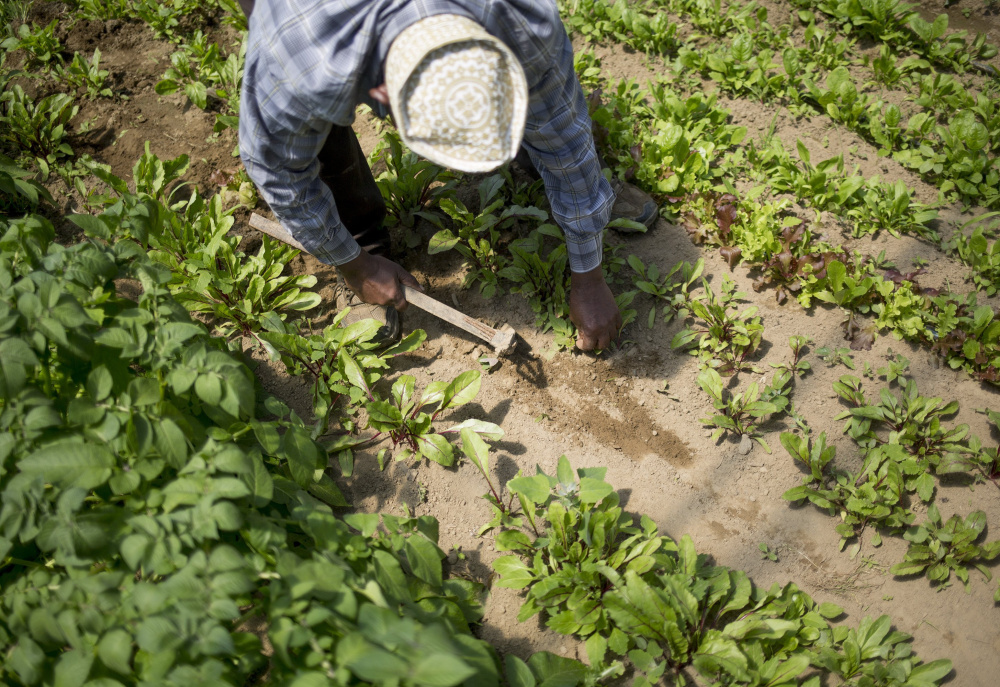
(938, 548)
(102, 9)
(662, 140)
(959, 163)
(670, 291)
(882, 20)
(982, 257)
(628, 591)
(743, 413)
(13, 13)
(841, 99)
(38, 129)
(932, 40)
(542, 278)
(741, 68)
(840, 356)
(19, 193)
(873, 496)
(796, 367)
(409, 185)
(896, 368)
(597, 20)
(767, 553)
(479, 234)
(186, 508)
(408, 420)
(198, 66)
(478, 453)
(40, 44)
(237, 188)
(87, 74)
(891, 207)
(166, 18)
(725, 341)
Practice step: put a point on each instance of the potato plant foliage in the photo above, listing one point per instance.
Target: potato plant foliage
(151, 504)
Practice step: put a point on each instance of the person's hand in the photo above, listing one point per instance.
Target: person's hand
(593, 310)
(377, 280)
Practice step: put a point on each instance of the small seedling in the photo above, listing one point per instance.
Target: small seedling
(941, 548)
(797, 366)
(895, 370)
(743, 413)
(767, 553)
(723, 340)
(840, 356)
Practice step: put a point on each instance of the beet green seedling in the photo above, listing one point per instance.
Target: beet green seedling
(840, 356)
(941, 548)
(796, 366)
(725, 341)
(743, 413)
(671, 289)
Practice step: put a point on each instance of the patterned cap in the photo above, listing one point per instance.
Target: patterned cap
(458, 94)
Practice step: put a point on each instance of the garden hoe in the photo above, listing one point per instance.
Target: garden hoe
(503, 340)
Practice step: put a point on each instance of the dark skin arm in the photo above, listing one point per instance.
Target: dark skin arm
(593, 310)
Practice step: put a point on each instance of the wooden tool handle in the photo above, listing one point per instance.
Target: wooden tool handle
(449, 314)
(417, 298)
(274, 230)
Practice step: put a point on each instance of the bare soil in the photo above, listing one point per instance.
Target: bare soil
(613, 411)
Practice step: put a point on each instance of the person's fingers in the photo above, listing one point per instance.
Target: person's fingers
(604, 340)
(409, 280)
(584, 340)
(402, 277)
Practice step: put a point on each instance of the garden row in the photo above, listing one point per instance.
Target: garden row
(154, 503)
(152, 506)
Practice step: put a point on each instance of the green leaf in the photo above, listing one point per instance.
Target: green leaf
(535, 488)
(480, 427)
(302, 455)
(517, 672)
(555, 671)
(593, 490)
(436, 448)
(564, 472)
(442, 241)
(197, 93)
(352, 371)
(115, 651)
(70, 464)
(476, 450)
(73, 668)
(930, 673)
(907, 568)
(424, 558)
(441, 670)
(829, 610)
(514, 574)
(462, 389)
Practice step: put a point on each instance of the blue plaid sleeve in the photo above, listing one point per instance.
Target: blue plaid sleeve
(560, 142)
(280, 139)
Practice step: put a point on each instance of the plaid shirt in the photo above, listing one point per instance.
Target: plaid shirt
(311, 62)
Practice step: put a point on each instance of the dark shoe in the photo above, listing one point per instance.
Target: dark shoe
(391, 330)
(633, 204)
